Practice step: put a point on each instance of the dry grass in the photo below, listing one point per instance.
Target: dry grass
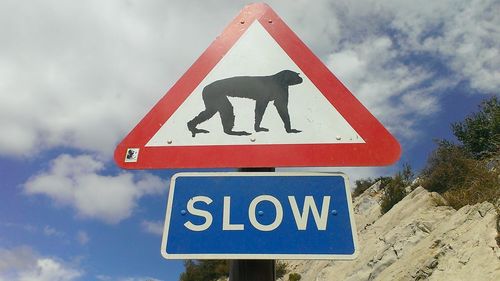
(461, 180)
(480, 184)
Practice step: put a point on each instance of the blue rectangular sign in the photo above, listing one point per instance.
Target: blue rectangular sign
(259, 216)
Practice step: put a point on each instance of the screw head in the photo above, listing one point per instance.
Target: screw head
(183, 212)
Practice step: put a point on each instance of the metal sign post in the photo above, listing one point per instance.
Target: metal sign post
(252, 270)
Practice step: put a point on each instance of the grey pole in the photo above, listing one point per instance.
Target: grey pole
(253, 270)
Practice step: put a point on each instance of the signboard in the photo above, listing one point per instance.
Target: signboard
(257, 97)
(259, 216)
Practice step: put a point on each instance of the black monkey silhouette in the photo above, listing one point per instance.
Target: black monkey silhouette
(262, 89)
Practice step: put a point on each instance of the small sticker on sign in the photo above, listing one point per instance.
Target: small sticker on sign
(132, 155)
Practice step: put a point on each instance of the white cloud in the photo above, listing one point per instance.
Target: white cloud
(82, 237)
(51, 231)
(153, 227)
(23, 226)
(315, 22)
(15, 259)
(23, 264)
(464, 33)
(399, 57)
(78, 182)
(391, 90)
(49, 270)
(82, 74)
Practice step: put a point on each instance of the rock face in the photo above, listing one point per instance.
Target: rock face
(418, 239)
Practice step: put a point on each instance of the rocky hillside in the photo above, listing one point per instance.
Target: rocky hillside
(418, 239)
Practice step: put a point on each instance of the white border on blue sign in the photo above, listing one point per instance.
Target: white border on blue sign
(170, 200)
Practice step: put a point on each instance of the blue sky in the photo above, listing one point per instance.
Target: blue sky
(76, 76)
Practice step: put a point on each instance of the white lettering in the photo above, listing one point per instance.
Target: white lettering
(279, 213)
(226, 217)
(309, 204)
(200, 213)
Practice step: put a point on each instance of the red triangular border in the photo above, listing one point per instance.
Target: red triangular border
(380, 147)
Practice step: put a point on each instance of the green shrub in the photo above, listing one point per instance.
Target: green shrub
(461, 180)
(211, 270)
(281, 269)
(394, 190)
(362, 185)
(204, 270)
(447, 167)
(480, 132)
(468, 173)
(393, 193)
(294, 277)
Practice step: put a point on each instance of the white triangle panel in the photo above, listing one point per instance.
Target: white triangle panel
(310, 111)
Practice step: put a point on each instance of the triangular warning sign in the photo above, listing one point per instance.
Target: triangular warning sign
(257, 97)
